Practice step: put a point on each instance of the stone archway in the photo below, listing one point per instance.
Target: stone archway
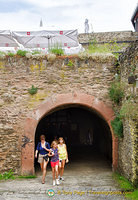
(27, 156)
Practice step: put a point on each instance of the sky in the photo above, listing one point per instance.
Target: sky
(103, 15)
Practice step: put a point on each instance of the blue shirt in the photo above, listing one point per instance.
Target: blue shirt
(56, 156)
(41, 150)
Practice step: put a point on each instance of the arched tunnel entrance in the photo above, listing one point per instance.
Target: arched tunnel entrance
(86, 133)
(84, 122)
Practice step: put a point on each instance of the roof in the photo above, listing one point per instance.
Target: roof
(133, 16)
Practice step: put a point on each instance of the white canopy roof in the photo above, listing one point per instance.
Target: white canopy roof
(45, 39)
(6, 39)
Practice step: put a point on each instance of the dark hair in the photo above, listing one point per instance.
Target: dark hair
(42, 137)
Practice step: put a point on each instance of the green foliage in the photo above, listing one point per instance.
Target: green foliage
(116, 92)
(70, 63)
(129, 109)
(36, 52)
(110, 47)
(10, 54)
(133, 195)
(27, 177)
(2, 53)
(117, 126)
(57, 50)
(123, 182)
(7, 175)
(32, 90)
(21, 53)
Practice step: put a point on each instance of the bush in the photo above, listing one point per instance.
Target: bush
(116, 92)
(117, 126)
(32, 90)
(21, 53)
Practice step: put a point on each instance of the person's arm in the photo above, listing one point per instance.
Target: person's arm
(47, 149)
(36, 152)
(51, 153)
(67, 160)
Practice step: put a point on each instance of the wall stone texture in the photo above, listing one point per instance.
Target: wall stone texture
(101, 37)
(91, 76)
(128, 145)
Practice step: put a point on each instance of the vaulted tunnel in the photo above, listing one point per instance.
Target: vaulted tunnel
(86, 133)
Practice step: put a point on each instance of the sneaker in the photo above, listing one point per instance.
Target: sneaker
(57, 182)
(54, 183)
(61, 178)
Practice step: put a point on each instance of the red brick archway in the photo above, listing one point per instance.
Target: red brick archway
(27, 157)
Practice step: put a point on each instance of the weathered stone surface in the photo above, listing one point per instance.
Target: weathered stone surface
(18, 74)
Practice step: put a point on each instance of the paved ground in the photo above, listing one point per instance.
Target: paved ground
(84, 180)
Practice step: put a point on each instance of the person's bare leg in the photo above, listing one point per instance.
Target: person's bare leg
(44, 171)
(53, 173)
(59, 168)
(62, 168)
(41, 165)
(56, 169)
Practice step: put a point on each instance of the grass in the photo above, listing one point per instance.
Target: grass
(27, 177)
(57, 50)
(10, 54)
(21, 53)
(126, 186)
(133, 195)
(110, 47)
(7, 175)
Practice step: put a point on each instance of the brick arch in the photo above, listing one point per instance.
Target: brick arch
(62, 100)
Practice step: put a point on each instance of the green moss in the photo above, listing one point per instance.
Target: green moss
(133, 195)
(123, 182)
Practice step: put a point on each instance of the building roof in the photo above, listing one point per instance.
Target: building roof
(134, 15)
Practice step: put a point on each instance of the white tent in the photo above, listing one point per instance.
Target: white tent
(6, 39)
(46, 39)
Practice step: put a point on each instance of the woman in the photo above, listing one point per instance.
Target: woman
(63, 156)
(44, 148)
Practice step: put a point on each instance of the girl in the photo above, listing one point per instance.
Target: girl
(44, 148)
(54, 162)
(63, 156)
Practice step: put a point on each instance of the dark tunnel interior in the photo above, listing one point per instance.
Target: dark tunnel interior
(85, 133)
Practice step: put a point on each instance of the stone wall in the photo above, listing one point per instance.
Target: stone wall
(128, 146)
(100, 37)
(90, 75)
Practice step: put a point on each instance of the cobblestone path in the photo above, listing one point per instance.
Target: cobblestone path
(83, 181)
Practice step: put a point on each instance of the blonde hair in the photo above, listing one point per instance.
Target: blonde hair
(53, 142)
(61, 138)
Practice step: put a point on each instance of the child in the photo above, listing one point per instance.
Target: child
(54, 162)
(63, 156)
